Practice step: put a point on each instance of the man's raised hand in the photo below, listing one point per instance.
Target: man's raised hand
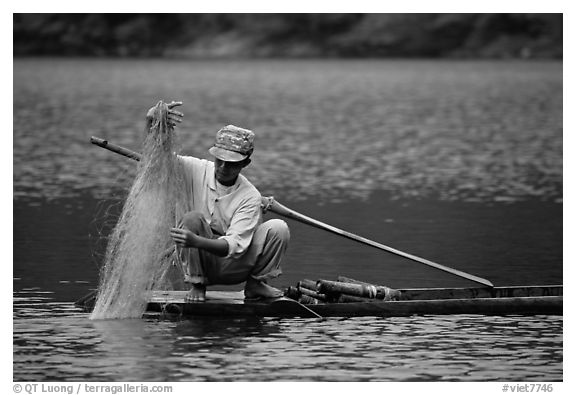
(174, 117)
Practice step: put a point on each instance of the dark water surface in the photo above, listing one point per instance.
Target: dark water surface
(458, 162)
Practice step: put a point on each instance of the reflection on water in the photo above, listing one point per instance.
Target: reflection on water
(465, 347)
(458, 162)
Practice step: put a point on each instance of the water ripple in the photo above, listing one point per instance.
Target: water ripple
(328, 131)
(59, 342)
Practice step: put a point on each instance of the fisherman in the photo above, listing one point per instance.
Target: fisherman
(223, 240)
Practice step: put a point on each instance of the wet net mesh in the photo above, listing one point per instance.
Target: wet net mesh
(140, 253)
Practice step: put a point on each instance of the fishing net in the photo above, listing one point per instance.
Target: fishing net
(139, 255)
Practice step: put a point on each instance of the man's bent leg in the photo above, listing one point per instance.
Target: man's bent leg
(193, 259)
(268, 248)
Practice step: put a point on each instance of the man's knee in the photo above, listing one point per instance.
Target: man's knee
(278, 230)
(192, 220)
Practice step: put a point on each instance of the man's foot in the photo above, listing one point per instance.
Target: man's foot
(255, 289)
(196, 294)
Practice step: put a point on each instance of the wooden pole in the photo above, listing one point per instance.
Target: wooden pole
(115, 148)
(386, 293)
(289, 213)
(312, 294)
(362, 290)
(284, 211)
(308, 284)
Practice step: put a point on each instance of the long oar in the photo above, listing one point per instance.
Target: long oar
(289, 213)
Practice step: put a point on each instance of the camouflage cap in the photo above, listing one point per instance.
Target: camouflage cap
(233, 144)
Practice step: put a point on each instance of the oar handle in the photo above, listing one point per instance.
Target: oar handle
(115, 148)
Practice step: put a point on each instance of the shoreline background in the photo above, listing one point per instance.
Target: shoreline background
(294, 35)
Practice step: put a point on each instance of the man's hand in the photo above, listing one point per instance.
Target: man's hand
(174, 117)
(185, 238)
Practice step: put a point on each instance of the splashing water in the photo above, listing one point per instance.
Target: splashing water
(138, 255)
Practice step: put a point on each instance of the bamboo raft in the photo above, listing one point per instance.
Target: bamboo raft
(351, 298)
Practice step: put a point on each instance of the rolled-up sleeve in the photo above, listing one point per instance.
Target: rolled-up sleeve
(242, 227)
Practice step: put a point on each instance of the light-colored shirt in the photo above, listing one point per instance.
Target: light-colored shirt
(233, 213)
